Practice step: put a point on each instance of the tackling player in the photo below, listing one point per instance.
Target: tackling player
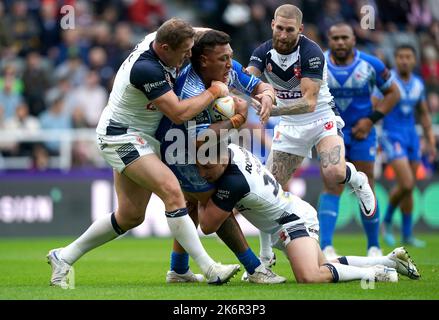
(142, 93)
(243, 183)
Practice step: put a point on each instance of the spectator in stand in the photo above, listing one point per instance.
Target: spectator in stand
(50, 27)
(146, 14)
(330, 15)
(89, 100)
(36, 80)
(430, 68)
(98, 61)
(22, 28)
(419, 15)
(55, 118)
(22, 121)
(73, 68)
(10, 99)
(123, 42)
(71, 45)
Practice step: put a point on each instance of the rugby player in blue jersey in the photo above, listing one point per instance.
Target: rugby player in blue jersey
(212, 59)
(352, 75)
(400, 142)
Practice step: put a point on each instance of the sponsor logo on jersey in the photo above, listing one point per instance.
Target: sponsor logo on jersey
(314, 63)
(254, 58)
(150, 86)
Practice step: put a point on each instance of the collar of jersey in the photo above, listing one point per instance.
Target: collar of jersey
(354, 61)
(171, 70)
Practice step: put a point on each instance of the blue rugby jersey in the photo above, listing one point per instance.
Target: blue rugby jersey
(352, 85)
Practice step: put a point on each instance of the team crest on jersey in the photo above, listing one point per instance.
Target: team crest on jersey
(150, 107)
(329, 125)
(297, 71)
(140, 140)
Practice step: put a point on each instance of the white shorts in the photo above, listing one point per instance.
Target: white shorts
(299, 139)
(121, 150)
(306, 226)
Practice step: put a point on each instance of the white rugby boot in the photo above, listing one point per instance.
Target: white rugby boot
(221, 273)
(268, 262)
(263, 275)
(404, 264)
(364, 193)
(189, 276)
(60, 269)
(385, 274)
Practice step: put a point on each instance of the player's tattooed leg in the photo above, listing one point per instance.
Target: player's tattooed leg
(282, 165)
(332, 156)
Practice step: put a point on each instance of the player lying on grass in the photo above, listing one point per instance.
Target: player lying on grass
(212, 60)
(243, 183)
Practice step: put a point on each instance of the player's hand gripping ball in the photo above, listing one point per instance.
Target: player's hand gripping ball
(222, 108)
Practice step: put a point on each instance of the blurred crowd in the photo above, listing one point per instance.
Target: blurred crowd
(60, 78)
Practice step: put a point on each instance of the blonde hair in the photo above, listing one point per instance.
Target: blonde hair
(289, 11)
(174, 32)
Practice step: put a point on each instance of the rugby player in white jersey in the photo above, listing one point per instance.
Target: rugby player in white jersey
(242, 182)
(296, 67)
(142, 93)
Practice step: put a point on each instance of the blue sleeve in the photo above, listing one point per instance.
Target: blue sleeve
(230, 188)
(242, 80)
(383, 76)
(181, 79)
(312, 61)
(149, 78)
(377, 93)
(259, 55)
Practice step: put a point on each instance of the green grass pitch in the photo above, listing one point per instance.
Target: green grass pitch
(131, 268)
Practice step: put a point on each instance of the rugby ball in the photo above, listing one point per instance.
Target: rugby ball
(223, 108)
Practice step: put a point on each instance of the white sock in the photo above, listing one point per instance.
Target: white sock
(348, 273)
(183, 229)
(265, 243)
(369, 261)
(100, 232)
(354, 181)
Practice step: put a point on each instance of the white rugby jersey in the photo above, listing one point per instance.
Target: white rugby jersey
(250, 188)
(141, 78)
(285, 71)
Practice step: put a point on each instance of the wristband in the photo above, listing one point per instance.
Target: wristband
(376, 116)
(270, 94)
(215, 91)
(237, 120)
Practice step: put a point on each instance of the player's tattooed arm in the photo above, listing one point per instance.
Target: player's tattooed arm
(282, 165)
(332, 156)
(310, 88)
